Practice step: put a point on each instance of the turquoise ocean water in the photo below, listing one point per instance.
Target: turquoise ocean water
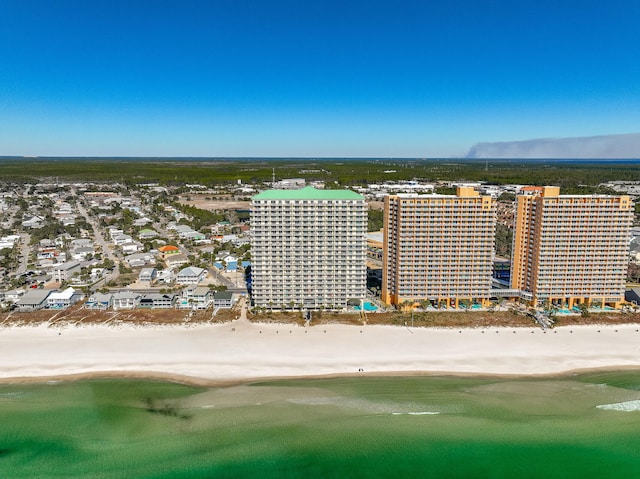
(571, 427)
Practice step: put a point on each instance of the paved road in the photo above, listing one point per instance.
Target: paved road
(97, 233)
(25, 249)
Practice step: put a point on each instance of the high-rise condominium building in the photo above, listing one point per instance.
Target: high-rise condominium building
(438, 248)
(308, 248)
(571, 249)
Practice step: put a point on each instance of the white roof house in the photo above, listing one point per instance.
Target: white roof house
(63, 299)
(191, 275)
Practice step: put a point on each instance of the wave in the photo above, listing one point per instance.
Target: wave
(417, 413)
(365, 405)
(12, 395)
(626, 406)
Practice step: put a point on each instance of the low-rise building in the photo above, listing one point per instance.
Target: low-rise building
(191, 275)
(125, 300)
(33, 300)
(64, 271)
(99, 301)
(147, 275)
(63, 299)
(140, 259)
(197, 297)
(157, 301)
(146, 234)
(131, 248)
(176, 260)
(223, 299)
(168, 250)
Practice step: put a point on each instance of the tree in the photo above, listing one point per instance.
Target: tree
(584, 310)
(375, 220)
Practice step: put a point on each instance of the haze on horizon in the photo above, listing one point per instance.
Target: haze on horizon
(313, 79)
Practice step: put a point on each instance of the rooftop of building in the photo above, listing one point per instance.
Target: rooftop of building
(308, 193)
(167, 248)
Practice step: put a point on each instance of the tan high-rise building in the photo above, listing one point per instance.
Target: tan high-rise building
(438, 248)
(568, 249)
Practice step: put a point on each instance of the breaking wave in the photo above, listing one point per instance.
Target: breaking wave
(626, 406)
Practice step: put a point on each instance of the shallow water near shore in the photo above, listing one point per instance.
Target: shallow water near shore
(575, 426)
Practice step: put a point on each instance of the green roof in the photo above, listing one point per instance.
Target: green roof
(308, 193)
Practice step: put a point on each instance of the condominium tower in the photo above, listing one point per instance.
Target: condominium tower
(570, 249)
(308, 248)
(438, 248)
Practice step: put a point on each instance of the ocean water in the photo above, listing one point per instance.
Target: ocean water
(570, 427)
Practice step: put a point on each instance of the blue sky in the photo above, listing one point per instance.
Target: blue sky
(311, 78)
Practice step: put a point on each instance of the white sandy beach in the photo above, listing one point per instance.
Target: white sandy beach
(243, 351)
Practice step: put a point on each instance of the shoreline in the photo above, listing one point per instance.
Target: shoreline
(241, 352)
(213, 383)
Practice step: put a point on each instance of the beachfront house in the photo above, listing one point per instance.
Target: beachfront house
(99, 301)
(63, 299)
(223, 299)
(157, 301)
(33, 300)
(197, 297)
(125, 300)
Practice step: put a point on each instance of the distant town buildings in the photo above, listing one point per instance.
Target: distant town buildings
(309, 248)
(569, 250)
(438, 248)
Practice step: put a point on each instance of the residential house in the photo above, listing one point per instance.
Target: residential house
(121, 239)
(97, 273)
(99, 301)
(64, 271)
(181, 230)
(9, 241)
(113, 231)
(165, 276)
(81, 253)
(176, 260)
(14, 295)
(34, 222)
(140, 259)
(146, 234)
(63, 299)
(131, 247)
(194, 235)
(191, 275)
(125, 300)
(157, 301)
(147, 275)
(33, 300)
(223, 299)
(142, 221)
(168, 250)
(196, 297)
(80, 243)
